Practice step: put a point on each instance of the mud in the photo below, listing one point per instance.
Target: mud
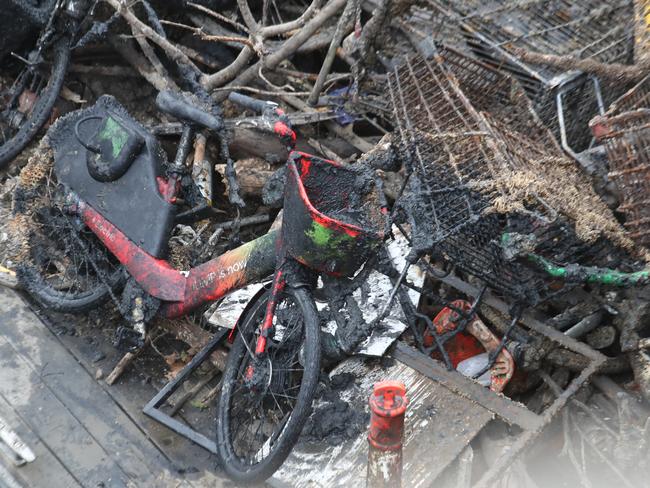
(334, 420)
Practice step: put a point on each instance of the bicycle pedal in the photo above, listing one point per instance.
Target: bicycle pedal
(127, 339)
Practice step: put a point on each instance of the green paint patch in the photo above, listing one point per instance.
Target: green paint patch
(115, 133)
(333, 243)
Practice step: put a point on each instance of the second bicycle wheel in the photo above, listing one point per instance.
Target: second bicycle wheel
(263, 409)
(59, 261)
(26, 105)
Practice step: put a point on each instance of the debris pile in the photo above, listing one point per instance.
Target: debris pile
(465, 191)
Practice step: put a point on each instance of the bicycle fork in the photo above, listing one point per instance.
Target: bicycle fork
(267, 325)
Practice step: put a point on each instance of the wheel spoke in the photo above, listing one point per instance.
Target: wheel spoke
(260, 407)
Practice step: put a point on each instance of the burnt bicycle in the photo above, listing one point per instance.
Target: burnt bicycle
(35, 46)
(104, 213)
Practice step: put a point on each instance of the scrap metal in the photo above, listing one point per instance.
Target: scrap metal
(602, 30)
(483, 171)
(625, 133)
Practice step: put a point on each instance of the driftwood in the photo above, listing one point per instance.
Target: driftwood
(8, 278)
(252, 174)
(341, 29)
(286, 50)
(612, 71)
(119, 368)
(178, 404)
(246, 143)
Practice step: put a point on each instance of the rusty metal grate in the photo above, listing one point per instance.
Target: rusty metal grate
(637, 97)
(627, 140)
(602, 30)
(625, 132)
(481, 164)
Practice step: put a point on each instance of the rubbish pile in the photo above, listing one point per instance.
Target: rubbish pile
(452, 194)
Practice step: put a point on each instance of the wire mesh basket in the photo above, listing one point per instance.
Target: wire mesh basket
(625, 132)
(481, 165)
(637, 97)
(497, 31)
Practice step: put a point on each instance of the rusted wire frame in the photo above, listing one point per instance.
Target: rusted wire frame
(614, 71)
(628, 143)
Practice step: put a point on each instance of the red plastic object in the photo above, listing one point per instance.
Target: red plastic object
(463, 345)
(477, 339)
(387, 408)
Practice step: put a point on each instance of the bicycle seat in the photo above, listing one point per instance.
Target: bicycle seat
(188, 108)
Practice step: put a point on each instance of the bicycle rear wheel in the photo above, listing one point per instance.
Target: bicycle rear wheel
(260, 416)
(28, 103)
(69, 271)
(61, 263)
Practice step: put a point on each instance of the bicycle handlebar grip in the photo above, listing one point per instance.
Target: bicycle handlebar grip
(182, 107)
(253, 104)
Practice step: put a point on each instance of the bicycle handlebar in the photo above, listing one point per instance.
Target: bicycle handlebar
(273, 118)
(184, 107)
(259, 106)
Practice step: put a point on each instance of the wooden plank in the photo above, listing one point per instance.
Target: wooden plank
(527, 319)
(438, 426)
(24, 389)
(78, 391)
(184, 459)
(193, 464)
(46, 469)
(509, 410)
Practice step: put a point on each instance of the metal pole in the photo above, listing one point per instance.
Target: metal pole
(387, 408)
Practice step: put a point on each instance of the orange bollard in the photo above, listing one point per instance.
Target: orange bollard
(387, 407)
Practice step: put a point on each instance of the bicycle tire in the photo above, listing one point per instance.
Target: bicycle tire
(43, 106)
(68, 269)
(55, 301)
(288, 436)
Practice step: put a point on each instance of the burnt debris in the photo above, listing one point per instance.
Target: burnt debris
(462, 187)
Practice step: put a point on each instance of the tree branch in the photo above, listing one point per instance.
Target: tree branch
(141, 28)
(344, 20)
(279, 29)
(129, 52)
(209, 37)
(612, 71)
(288, 47)
(229, 72)
(247, 15)
(218, 16)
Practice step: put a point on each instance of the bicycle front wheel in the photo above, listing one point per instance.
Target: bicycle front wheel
(265, 402)
(19, 125)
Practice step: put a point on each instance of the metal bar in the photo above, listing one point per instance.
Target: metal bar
(152, 408)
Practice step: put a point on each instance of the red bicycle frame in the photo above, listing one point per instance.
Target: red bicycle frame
(183, 291)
